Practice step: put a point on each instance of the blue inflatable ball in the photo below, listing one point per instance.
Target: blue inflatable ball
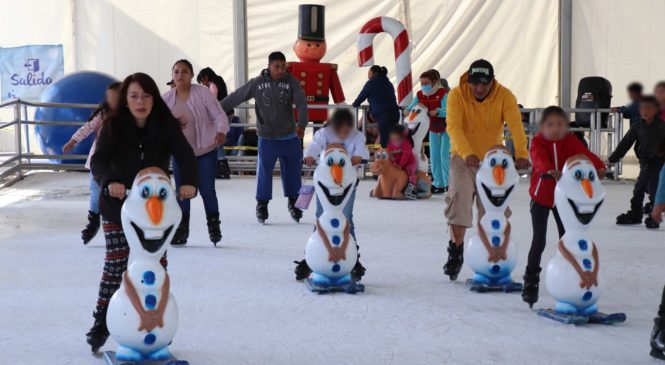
(83, 87)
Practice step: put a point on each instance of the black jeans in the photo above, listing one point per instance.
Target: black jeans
(647, 182)
(539, 216)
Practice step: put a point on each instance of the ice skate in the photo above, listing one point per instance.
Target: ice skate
(658, 339)
(99, 333)
(214, 231)
(182, 233)
(629, 218)
(531, 287)
(91, 229)
(262, 211)
(650, 223)
(455, 260)
(296, 214)
(223, 170)
(302, 270)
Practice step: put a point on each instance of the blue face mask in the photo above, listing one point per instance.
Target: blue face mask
(426, 88)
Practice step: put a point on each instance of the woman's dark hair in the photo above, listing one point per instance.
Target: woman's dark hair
(186, 63)
(122, 118)
(379, 70)
(341, 117)
(215, 79)
(553, 110)
(104, 106)
(432, 75)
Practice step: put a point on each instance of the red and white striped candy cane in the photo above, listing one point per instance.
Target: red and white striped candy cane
(402, 52)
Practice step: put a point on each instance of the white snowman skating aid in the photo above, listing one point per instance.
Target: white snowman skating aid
(331, 251)
(491, 253)
(418, 123)
(142, 315)
(573, 275)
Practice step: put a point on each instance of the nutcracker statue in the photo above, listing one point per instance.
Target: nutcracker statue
(318, 80)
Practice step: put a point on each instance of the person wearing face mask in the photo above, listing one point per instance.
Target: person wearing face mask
(140, 133)
(380, 94)
(205, 126)
(433, 95)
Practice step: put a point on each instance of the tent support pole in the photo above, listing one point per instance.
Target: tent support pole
(565, 52)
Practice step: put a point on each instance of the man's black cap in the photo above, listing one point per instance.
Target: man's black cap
(481, 71)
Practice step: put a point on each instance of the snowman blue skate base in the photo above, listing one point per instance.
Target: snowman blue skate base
(482, 284)
(109, 358)
(589, 315)
(323, 285)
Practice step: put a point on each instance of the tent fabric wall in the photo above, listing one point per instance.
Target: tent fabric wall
(619, 40)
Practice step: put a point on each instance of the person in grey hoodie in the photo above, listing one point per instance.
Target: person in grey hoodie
(275, 91)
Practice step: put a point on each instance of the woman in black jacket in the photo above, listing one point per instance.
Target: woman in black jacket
(141, 133)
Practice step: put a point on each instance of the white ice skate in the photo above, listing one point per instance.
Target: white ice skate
(331, 251)
(573, 276)
(142, 315)
(491, 253)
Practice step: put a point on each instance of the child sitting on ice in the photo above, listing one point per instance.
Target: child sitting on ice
(550, 149)
(338, 130)
(400, 150)
(649, 133)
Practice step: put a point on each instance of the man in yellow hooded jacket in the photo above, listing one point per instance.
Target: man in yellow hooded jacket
(478, 109)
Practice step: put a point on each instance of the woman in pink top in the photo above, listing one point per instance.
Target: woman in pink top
(205, 126)
(92, 126)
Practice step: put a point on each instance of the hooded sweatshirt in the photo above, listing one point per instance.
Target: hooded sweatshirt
(549, 155)
(273, 103)
(475, 126)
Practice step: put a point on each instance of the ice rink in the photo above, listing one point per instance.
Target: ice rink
(239, 303)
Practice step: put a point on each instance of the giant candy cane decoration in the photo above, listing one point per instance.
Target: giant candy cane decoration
(402, 52)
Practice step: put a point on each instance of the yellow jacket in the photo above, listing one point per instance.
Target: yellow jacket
(475, 126)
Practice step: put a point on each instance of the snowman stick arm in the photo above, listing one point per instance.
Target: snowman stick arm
(133, 296)
(493, 257)
(596, 265)
(164, 300)
(345, 242)
(326, 241)
(506, 241)
(571, 259)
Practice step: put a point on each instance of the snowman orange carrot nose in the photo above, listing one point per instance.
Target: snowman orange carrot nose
(337, 173)
(412, 115)
(499, 175)
(155, 209)
(587, 187)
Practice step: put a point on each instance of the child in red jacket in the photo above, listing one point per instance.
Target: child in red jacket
(550, 149)
(400, 150)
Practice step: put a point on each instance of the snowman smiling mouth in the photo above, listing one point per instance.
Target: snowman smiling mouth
(590, 211)
(497, 200)
(335, 200)
(151, 245)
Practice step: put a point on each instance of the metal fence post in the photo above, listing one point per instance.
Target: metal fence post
(618, 134)
(17, 135)
(27, 134)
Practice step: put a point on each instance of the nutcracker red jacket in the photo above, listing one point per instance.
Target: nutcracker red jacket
(552, 155)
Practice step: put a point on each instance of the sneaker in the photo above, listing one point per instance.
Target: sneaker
(410, 192)
(435, 190)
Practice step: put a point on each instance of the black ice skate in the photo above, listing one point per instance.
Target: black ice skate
(455, 260)
(296, 213)
(91, 229)
(213, 229)
(302, 270)
(630, 217)
(648, 207)
(358, 271)
(531, 285)
(223, 170)
(658, 339)
(651, 223)
(182, 233)
(261, 210)
(99, 333)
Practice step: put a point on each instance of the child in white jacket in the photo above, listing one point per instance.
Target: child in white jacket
(340, 129)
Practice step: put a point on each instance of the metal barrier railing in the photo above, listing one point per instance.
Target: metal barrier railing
(14, 164)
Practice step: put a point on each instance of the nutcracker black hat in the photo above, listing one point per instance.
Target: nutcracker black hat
(311, 22)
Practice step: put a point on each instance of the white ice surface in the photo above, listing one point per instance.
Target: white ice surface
(240, 304)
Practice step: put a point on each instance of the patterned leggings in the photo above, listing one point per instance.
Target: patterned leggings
(115, 263)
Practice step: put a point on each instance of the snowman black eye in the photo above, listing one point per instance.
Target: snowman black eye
(578, 175)
(145, 192)
(504, 163)
(163, 193)
(592, 176)
(493, 162)
(342, 162)
(330, 161)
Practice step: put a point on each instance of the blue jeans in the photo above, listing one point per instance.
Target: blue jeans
(207, 168)
(289, 153)
(95, 191)
(439, 152)
(348, 211)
